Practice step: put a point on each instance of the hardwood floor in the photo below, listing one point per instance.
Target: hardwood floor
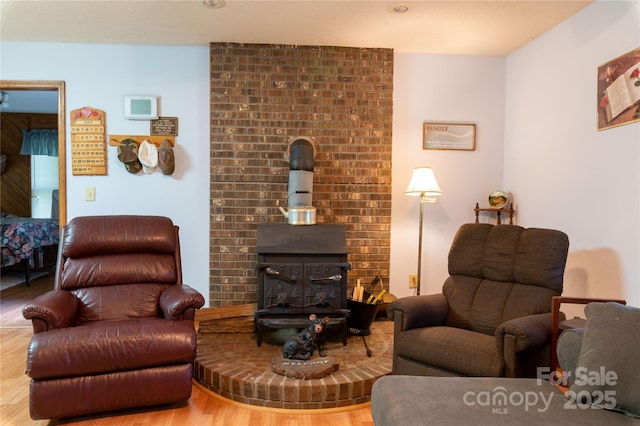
(204, 407)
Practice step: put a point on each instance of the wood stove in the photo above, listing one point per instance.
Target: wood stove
(302, 270)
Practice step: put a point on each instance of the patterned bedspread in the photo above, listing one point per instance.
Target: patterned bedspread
(21, 235)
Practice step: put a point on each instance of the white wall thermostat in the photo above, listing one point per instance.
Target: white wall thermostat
(141, 107)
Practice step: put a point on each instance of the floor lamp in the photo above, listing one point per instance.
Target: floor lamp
(423, 184)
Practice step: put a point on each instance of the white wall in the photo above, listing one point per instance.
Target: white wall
(100, 75)
(427, 87)
(566, 174)
(446, 88)
(561, 172)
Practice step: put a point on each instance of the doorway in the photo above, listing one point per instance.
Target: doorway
(59, 87)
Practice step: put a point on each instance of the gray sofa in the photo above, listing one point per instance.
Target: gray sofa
(601, 362)
(493, 317)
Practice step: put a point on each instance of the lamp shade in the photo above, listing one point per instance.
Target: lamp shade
(423, 183)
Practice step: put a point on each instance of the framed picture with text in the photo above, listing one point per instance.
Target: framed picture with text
(452, 136)
(618, 93)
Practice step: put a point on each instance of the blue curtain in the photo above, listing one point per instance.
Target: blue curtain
(39, 142)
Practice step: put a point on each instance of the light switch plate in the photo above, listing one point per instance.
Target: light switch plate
(90, 193)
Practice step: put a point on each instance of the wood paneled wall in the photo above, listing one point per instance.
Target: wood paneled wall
(15, 187)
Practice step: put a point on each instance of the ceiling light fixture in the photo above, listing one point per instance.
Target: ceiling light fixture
(214, 4)
(399, 7)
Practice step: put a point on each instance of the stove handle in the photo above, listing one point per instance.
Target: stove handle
(273, 273)
(331, 278)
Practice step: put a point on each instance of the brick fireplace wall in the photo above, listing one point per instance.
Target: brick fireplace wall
(261, 96)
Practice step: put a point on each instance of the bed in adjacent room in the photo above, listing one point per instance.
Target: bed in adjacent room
(29, 241)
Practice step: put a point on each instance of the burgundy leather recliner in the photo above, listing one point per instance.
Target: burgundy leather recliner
(117, 331)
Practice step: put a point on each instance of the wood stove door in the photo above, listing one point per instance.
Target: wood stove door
(325, 286)
(282, 289)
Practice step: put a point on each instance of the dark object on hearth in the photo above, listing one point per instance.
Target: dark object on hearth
(303, 344)
(362, 316)
(117, 331)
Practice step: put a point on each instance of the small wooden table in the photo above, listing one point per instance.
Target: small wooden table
(510, 210)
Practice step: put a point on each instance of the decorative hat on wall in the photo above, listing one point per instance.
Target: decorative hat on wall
(148, 156)
(128, 154)
(166, 158)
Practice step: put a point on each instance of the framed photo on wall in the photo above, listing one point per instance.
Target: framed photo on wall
(619, 91)
(453, 136)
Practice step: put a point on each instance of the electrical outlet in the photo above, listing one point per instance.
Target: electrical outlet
(413, 281)
(90, 193)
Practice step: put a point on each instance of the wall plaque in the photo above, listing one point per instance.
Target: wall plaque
(88, 142)
(164, 126)
(455, 136)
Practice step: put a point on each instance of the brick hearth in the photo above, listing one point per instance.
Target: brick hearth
(233, 366)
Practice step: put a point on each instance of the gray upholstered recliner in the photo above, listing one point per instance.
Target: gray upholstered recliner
(493, 315)
(599, 385)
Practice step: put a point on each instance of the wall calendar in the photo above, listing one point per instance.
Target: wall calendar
(88, 142)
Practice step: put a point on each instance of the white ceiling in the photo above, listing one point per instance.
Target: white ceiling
(475, 27)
